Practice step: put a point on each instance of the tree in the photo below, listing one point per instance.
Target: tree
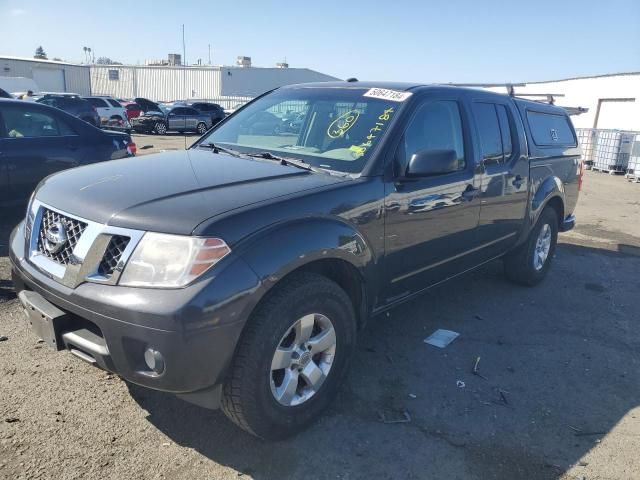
(40, 53)
(106, 61)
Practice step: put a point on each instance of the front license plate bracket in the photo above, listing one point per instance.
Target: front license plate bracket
(43, 317)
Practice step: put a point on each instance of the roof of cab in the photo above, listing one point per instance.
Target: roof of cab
(357, 84)
(402, 86)
(406, 86)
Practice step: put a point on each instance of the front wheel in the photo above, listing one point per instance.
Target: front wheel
(529, 263)
(201, 128)
(292, 357)
(161, 128)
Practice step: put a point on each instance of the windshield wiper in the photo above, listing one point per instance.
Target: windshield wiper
(282, 160)
(217, 149)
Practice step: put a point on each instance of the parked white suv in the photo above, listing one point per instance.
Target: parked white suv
(111, 112)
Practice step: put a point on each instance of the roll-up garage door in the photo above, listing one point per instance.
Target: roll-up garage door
(49, 79)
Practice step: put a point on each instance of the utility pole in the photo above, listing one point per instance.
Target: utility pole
(184, 49)
(184, 69)
(209, 54)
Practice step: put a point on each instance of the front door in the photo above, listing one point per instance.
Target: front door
(431, 221)
(176, 119)
(191, 118)
(504, 166)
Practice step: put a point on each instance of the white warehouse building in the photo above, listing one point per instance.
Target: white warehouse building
(613, 101)
(224, 85)
(47, 75)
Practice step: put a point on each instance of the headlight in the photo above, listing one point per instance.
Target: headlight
(29, 217)
(171, 261)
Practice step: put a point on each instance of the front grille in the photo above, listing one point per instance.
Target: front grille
(112, 255)
(73, 228)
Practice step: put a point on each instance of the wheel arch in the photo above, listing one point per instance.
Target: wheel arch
(328, 247)
(549, 193)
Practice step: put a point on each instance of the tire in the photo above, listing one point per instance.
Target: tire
(160, 128)
(254, 394)
(525, 265)
(201, 128)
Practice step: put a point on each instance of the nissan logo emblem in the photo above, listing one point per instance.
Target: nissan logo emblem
(55, 237)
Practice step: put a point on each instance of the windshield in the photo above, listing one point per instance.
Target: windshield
(332, 128)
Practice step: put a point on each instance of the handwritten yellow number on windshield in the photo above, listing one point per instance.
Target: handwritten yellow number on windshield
(343, 123)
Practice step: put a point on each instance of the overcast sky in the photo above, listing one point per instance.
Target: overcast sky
(450, 41)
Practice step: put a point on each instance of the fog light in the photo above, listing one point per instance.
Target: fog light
(154, 360)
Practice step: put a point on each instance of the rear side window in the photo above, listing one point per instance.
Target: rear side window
(436, 126)
(30, 123)
(490, 135)
(113, 103)
(548, 129)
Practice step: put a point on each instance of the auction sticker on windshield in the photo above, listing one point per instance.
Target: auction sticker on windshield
(393, 95)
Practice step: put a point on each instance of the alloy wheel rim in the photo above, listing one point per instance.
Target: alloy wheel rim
(302, 360)
(542, 247)
(202, 129)
(161, 128)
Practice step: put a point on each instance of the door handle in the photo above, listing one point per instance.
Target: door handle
(517, 181)
(470, 193)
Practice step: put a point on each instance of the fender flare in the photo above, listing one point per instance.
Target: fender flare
(550, 188)
(285, 247)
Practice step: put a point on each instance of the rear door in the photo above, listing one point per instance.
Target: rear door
(116, 109)
(504, 166)
(37, 143)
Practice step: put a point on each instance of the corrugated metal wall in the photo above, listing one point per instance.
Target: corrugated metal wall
(77, 78)
(255, 81)
(158, 83)
(224, 85)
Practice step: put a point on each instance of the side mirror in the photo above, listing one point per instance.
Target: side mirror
(432, 162)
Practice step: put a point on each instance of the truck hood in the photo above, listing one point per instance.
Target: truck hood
(172, 192)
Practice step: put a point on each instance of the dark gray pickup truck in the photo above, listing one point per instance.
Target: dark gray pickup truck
(238, 272)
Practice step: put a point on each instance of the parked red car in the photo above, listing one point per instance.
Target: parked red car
(133, 109)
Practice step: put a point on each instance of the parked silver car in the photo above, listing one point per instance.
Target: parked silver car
(175, 119)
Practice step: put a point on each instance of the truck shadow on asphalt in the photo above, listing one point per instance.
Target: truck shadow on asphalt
(558, 371)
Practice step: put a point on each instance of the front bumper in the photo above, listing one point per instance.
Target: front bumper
(144, 123)
(195, 328)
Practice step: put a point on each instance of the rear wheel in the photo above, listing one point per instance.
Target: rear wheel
(291, 358)
(529, 263)
(161, 128)
(201, 128)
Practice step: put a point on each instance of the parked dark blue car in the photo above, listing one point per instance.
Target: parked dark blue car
(37, 140)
